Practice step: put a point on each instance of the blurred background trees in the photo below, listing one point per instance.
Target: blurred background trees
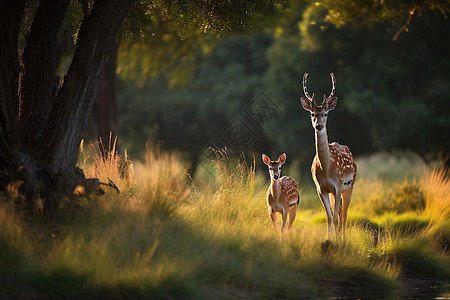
(390, 60)
(162, 39)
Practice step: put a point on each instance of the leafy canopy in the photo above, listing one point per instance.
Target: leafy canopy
(164, 37)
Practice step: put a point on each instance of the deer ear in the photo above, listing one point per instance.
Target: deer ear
(331, 103)
(282, 158)
(265, 159)
(306, 103)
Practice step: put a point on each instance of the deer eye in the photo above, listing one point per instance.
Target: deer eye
(326, 114)
(270, 168)
(279, 168)
(313, 115)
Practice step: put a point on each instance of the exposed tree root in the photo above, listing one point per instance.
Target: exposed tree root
(35, 190)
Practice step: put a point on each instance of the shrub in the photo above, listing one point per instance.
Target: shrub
(406, 197)
(401, 198)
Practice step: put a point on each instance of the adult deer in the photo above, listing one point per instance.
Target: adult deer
(282, 195)
(333, 168)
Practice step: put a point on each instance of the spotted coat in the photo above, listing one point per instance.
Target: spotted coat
(289, 189)
(345, 169)
(344, 160)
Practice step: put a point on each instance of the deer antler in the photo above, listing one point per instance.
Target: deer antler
(333, 85)
(305, 77)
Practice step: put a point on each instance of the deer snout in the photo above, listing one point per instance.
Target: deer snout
(319, 127)
(275, 177)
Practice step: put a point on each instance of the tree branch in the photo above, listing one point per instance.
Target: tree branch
(408, 21)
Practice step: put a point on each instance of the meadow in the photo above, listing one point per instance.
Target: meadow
(167, 237)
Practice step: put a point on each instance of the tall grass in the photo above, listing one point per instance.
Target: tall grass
(161, 237)
(436, 186)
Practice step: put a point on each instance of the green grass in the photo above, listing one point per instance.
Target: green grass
(163, 238)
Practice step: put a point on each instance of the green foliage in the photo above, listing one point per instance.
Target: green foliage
(378, 90)
(372, 12)
(222, 84)
(162, 38)
(218, 17)
(392, 95)
(169, 34)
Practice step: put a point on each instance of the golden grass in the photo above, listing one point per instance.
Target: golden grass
(436, 186)
(163, 237)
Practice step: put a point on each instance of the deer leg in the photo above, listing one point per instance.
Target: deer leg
(326, 204)
(332, 200)
(273, 216)
(292, 214)
(336, 200)
(283, 221)
(346, 197)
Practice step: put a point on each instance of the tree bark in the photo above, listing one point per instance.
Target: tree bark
(103, 123)
(39, 82)
(69, 114)
(10, 20)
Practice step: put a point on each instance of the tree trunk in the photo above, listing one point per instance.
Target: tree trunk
(10, 19)
(103, 123)
(69, 114)
(39, 82)
(40, 158)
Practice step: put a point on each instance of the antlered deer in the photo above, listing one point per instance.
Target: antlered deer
(333, 168)
(282, 195)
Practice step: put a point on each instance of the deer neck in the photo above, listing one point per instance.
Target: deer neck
(322, 149)
(275, 188)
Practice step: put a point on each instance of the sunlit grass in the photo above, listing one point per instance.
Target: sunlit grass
(436, 186)
(166, 236)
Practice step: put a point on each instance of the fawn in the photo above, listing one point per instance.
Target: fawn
(282, 196)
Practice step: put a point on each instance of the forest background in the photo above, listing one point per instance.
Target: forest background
(191, 92)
